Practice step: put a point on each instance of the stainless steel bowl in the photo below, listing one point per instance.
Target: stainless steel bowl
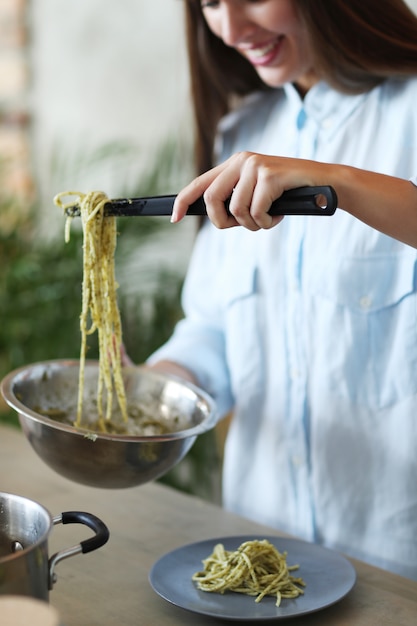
(110, 461)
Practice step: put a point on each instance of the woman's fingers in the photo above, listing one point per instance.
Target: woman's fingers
(253, 187)
(193, 191)
(241, 190)
(226, 198)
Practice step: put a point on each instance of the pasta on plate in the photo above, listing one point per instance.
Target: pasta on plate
(256, 568)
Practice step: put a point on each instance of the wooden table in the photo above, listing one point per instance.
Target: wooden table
(110, 586)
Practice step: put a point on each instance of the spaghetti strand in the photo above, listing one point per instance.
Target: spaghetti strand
(100, 311)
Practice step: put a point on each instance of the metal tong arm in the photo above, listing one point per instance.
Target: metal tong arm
(300, 201)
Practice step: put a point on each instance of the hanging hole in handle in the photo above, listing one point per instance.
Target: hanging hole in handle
(321, 201)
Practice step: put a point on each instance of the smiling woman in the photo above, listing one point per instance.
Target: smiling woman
(306, 331)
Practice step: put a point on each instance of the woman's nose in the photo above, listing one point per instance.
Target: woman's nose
(234, 24)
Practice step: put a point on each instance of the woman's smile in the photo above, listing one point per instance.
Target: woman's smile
(262, 54)
(269, 34)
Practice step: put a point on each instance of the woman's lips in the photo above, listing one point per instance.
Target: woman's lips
(263, 55)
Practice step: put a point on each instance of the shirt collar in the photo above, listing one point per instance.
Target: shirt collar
(327, 107)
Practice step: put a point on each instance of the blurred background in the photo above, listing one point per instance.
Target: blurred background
(94, 95)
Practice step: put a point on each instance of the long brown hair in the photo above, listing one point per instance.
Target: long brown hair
(356, 45)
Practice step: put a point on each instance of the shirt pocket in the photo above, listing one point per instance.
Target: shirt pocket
(243, 333)
(368, 318)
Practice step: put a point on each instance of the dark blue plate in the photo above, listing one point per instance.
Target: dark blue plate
(328, 575)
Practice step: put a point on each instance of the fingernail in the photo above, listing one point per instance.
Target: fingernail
(174, 215)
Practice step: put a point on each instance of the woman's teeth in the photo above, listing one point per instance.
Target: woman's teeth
(258, 53)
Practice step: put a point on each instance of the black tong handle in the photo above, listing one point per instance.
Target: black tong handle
(300, 201)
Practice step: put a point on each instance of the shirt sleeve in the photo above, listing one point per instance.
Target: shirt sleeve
(198, 340)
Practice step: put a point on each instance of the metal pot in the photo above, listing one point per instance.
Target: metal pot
(25, 568)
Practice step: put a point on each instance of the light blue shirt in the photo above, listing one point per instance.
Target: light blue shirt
(309, 332)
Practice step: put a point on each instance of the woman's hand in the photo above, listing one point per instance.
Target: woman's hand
(252, 182)
(171, 368)
(164, 367)
(125, 359)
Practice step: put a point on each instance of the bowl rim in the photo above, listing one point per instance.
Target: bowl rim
(7, 391)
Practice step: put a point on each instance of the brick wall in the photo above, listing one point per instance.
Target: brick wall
(15, 171)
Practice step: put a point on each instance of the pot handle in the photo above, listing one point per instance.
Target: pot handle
(88, 545)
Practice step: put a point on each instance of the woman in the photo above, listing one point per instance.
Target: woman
(307, 331)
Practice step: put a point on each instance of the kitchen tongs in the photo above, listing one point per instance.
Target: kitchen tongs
(300, 201)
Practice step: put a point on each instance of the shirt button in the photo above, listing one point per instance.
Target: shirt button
(295, 373)
(297, 460)
(327, 122)
(365, 302)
